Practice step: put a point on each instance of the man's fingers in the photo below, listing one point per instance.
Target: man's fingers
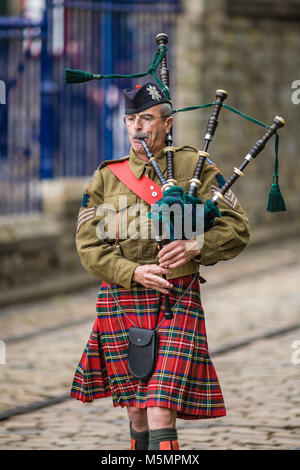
(158, 283)
(178, 263)
(170, 252)
(150, 277)
(157, 269)
(170, 246)
(169, 255)
(178, 257)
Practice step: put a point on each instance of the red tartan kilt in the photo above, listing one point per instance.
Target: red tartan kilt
(184, 378)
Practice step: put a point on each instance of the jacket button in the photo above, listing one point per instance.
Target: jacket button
(154, 194)
(151, 187)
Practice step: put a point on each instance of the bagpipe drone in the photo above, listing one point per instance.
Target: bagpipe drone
(173, 194)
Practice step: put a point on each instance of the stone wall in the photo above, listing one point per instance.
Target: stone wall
(38, 255)
(256, 61)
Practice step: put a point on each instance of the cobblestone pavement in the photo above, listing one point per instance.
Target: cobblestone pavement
(246, 297)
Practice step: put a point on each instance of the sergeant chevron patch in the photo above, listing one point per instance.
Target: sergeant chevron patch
(229, 197)
(84, 216)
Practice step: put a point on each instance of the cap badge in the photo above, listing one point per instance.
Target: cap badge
(155, 95)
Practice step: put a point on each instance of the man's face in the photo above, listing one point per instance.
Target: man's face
(150, 126)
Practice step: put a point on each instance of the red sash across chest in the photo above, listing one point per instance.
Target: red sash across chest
(143, 187)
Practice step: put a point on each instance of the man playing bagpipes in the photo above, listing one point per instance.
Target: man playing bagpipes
(156, 365)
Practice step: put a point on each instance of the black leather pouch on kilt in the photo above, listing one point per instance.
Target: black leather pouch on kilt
(142, 352)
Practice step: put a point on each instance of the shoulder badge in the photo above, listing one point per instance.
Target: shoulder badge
(213, 165)
(85, 200)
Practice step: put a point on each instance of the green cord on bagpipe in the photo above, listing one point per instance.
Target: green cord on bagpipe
(80, 76)
(275, 201)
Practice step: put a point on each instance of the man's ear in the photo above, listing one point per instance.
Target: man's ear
(169, 122)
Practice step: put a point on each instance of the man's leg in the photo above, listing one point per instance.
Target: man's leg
(139, 435)
(162, 429)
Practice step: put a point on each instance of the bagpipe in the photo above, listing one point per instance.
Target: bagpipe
(167, 221)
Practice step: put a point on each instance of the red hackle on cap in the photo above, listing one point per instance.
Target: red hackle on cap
(138, 87)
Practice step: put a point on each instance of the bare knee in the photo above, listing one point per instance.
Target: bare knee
(159, 418)
(138, 417)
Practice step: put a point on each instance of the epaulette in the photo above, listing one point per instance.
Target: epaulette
(102, 165)
(186, 147)
(115, 160)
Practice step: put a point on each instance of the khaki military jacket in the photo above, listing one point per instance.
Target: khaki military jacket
(107, 239)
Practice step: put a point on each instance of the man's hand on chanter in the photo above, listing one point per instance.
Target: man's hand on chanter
(149, 276)
(177, 253)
